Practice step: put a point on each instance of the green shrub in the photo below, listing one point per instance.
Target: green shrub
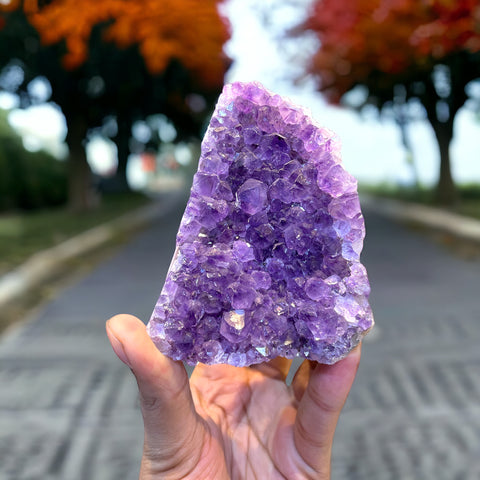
(28, 180)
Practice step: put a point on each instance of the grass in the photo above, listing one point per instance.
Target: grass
(24, 233)
(469, 196)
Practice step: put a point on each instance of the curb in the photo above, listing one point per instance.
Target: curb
(465, 228)
(40, 266)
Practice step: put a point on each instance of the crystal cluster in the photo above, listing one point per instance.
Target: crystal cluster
(267, 260)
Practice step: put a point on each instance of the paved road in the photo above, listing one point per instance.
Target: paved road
(68, 408)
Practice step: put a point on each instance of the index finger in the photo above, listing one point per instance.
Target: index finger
(320, 408)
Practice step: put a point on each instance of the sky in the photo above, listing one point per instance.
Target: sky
(371, 147)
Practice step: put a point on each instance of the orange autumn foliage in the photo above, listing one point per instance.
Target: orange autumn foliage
(456, 27)
(358, 37)
(189, 31)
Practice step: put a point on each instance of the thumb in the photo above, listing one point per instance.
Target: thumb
(168, 411)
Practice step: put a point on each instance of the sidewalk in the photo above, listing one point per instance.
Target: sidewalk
(44, 264)
(68, 408)
(458, 226)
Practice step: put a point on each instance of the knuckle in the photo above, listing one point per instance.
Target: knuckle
(321, 403)
(149, 403)
(311, 436)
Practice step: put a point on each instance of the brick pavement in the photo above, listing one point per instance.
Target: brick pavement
(68, 408)
(414, 411)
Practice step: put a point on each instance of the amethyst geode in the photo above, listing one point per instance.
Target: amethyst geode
(267, 260)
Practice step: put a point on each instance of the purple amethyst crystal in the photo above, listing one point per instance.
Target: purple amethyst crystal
(268, 250)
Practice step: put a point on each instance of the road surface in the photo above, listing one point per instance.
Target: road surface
(69, 409)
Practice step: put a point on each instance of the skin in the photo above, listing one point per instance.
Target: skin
(233, 423)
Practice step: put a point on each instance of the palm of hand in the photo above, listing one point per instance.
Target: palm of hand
(248, 415)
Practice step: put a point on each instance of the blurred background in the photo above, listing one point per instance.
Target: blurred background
(103, 107)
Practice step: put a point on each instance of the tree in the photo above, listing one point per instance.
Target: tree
(120, 58)
(429, 50)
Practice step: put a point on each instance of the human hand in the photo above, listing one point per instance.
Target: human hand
(233, 423)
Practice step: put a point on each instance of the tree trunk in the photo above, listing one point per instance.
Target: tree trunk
(81, 195)
(446, 193)
(122, 141)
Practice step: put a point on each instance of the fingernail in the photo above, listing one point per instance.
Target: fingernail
(117, 347)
